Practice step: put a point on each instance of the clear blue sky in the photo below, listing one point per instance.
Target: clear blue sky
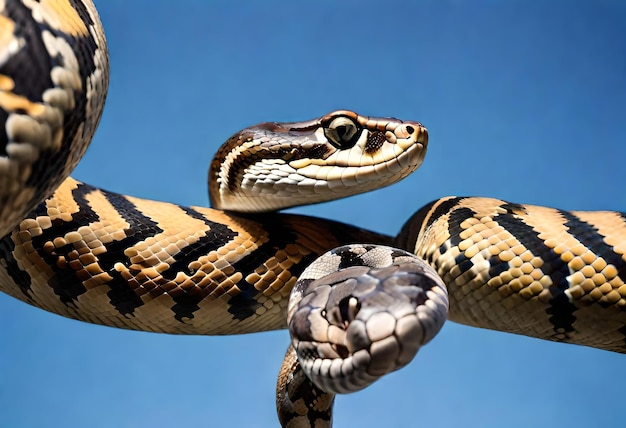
(524, 100)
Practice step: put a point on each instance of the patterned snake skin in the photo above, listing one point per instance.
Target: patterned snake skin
(111, 259)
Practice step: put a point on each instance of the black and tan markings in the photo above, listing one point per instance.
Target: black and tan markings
(525, 269)
(298, 401)
(53, 80)
(111, 259)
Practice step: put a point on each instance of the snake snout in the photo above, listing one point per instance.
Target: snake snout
(390, 335)
(417, 132)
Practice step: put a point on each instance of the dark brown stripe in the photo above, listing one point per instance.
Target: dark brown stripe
(589, 236)
(560, 309)
(409, 233)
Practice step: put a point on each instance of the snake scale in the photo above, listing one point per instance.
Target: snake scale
(105, 258)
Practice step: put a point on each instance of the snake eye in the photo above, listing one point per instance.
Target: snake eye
(342, 132)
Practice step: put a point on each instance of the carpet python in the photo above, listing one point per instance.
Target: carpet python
(358, 304)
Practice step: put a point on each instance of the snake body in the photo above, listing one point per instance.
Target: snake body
(110, 259)
(117, 260)
(537, 271)
(54, 75)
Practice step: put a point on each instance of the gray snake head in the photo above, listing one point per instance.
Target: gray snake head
(361, 311)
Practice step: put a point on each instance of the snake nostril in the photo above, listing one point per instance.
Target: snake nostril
(410, 129)
(349, 306)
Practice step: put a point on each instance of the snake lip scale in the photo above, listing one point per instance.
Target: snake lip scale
(358, 304)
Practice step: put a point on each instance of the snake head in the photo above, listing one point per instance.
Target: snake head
(272, 166)
(362, 311)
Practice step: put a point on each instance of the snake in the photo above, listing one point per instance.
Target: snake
(358, 304)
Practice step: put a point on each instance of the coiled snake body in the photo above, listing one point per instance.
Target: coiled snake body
(111, 259)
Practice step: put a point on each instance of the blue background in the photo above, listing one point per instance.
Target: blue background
(524, 100)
